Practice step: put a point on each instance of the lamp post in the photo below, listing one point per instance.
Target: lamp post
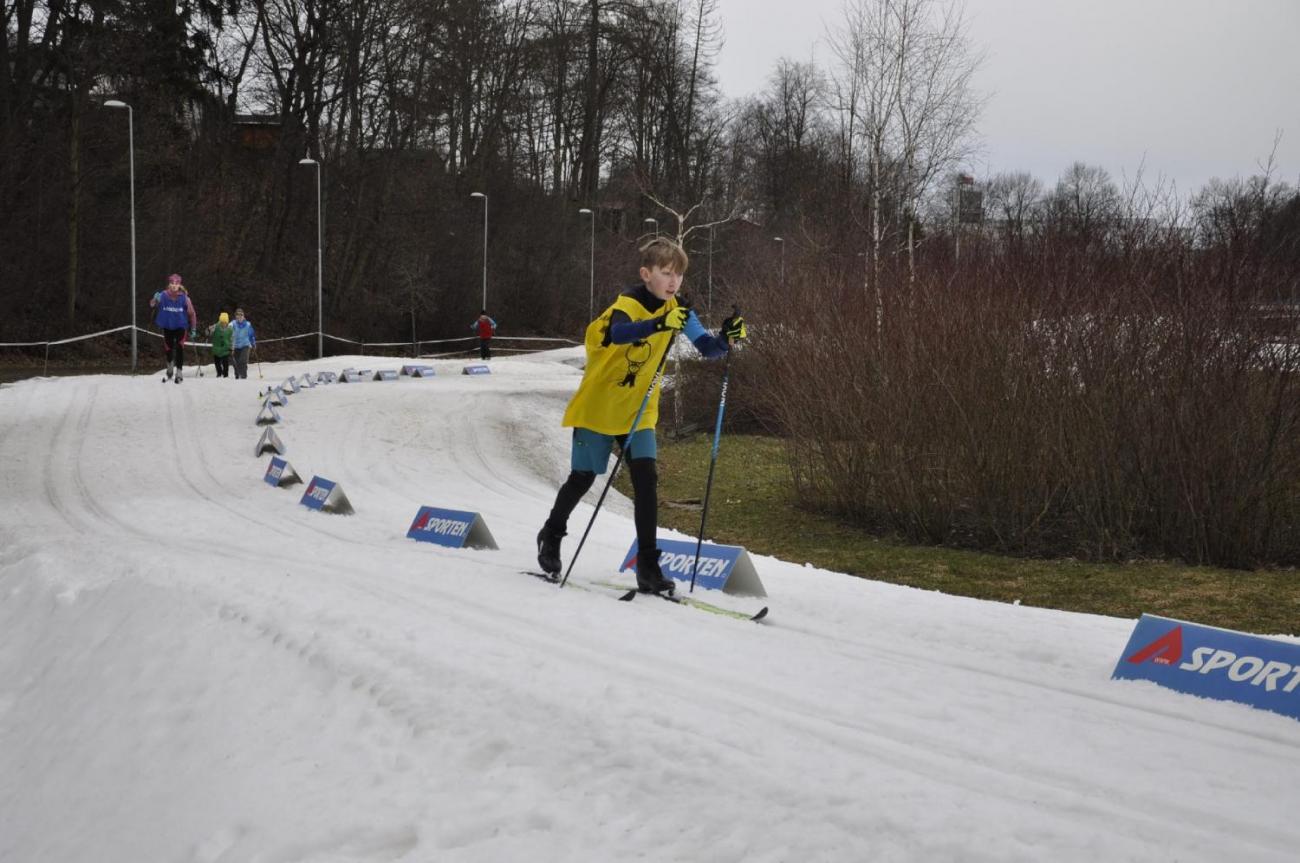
(485, 229)
(130, 138)
(591, 296)
(709, 301)
(782, 244)
(320, 233)
(654, 222)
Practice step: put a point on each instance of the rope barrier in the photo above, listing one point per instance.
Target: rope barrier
(52, 342)
(64, 341)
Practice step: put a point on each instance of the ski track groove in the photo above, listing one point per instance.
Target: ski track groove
(57, 462)
(100, 514)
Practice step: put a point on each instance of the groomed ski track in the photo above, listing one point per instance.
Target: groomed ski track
(195, 667)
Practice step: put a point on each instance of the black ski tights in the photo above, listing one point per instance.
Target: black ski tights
(567, 498)
(174, 347)
(645, 490)
(645, 482)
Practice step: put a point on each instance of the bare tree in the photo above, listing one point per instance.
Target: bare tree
(1014, 199)
(787, 122)
(937, 104)
(867, 84)
(1084, 203)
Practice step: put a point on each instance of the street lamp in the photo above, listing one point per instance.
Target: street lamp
(320, 233)
(591, 297)
(782, 242)
(709, 301)
(654, 222)
(130, 138)
(485, 229)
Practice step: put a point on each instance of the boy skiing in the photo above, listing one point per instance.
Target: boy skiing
(173, 310)
(624, 346)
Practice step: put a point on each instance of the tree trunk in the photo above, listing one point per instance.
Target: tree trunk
(588, 151)
(876, 231)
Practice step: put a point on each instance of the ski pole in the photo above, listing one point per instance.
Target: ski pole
(713, 462)
(619, 461)
(259, 365)
(198, 360)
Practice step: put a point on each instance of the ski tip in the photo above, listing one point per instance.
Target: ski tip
(628, 597)
(762, 613)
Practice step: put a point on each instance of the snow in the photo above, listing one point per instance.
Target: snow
(194, 667)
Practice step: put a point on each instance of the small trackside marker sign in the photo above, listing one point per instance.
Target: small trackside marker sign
(280, 473)
(1214, 663)
(722, 567)
(450, 527)
(269, 441)
(326, 496)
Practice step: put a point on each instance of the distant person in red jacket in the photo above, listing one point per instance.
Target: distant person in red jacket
(486, 329)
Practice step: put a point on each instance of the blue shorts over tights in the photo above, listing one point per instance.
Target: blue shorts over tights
(591, 449)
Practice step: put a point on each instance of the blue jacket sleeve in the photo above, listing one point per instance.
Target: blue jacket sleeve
(624, 331)
(709, 345)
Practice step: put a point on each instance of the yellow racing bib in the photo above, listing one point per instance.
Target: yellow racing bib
(618, 376)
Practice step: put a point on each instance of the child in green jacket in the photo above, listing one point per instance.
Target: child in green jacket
(221, 334)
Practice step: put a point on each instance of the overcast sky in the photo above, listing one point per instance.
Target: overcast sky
(1196, 88)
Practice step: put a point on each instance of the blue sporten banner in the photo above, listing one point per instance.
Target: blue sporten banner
(1214, 663)
(449, 527)
(676, 559)
(318, 491)
(275, 470)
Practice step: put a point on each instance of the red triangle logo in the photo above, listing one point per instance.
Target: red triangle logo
(1165, 650)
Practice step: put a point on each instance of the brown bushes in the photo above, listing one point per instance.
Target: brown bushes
(1096, 415)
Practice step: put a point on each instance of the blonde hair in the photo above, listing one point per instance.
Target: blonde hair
(664, 253)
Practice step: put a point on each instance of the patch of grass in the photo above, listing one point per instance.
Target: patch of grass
(753, 505)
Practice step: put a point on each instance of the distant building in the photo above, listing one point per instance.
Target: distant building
(257, 131)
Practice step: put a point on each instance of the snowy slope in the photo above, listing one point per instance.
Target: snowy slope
(193, 667)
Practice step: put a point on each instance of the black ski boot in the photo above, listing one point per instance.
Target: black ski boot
(649, 577)
(169, 371)
(548, 550)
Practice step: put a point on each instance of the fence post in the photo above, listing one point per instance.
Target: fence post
(47, 360)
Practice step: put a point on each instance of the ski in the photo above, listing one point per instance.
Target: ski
(544, 576)
(626, 595)
(691, 601)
